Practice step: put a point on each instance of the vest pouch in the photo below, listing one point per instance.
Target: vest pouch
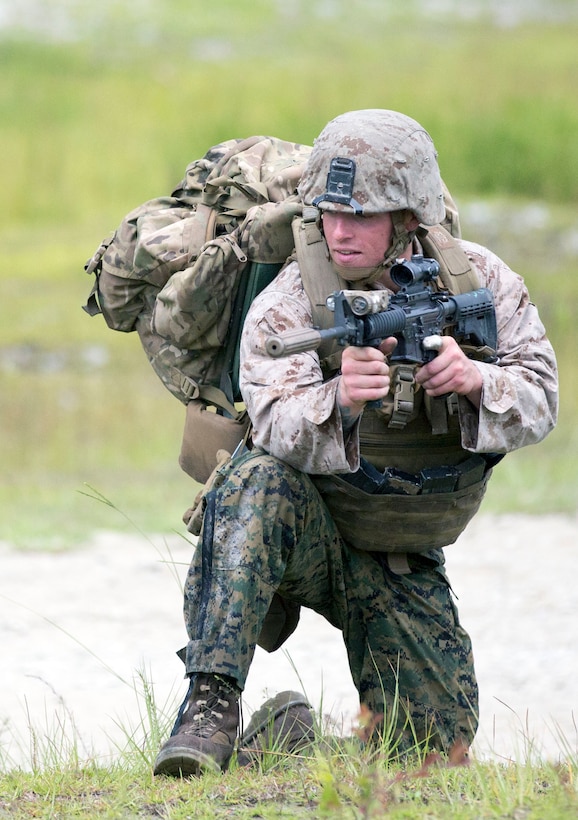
(399, 523)
(205, 433)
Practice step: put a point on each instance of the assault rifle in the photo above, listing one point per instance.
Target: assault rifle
(417, 314)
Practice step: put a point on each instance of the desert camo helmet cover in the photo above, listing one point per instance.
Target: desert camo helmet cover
(376, 161)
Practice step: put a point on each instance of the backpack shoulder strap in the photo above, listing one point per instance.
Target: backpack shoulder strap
(320, 279)
(456, 273)
(318, 275)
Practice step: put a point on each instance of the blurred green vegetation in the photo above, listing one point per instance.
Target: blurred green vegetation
(92, 125)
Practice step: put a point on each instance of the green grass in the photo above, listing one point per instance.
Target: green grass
(86, 134)
(297, 790)
(331, 779)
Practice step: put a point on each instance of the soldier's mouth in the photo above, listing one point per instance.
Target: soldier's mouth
(344, 255)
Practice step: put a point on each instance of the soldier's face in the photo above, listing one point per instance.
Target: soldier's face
(357, 241)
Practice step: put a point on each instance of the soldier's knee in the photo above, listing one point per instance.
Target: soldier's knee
(265, 470)
(258, 461)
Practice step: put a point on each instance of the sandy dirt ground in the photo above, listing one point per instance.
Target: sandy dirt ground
(80, 629)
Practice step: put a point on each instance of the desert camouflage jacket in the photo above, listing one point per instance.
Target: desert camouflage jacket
(294, 410)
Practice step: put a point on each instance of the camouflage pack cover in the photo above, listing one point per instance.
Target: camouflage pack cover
(234, 206)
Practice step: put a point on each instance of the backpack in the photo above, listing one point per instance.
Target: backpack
(225, 230)
(209, 248)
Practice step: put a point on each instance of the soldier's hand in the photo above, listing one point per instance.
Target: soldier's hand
(364, 376)
(451, 372)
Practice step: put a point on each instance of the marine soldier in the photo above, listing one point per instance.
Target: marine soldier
(291, 522)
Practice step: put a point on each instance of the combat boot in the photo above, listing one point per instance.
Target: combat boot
(205, 734)
(284, 725)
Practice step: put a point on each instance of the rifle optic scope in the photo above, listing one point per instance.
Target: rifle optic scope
(411, 271)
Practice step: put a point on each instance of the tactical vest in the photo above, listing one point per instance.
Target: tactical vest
(320, 278)
(436, 485)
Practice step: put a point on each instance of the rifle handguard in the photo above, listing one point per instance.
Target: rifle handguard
(293, 341)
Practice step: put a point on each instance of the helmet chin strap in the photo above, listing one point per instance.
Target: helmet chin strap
(400, 240)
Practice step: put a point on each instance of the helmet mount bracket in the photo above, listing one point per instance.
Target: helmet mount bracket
(340, 181)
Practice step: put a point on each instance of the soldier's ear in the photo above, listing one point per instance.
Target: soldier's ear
(411, 221)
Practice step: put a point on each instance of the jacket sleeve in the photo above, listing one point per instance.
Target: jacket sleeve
(293, 410)
(519, 402)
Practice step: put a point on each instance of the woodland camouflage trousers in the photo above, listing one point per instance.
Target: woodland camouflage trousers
(266, 529)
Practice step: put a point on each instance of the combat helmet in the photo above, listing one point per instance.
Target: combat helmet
(374, 161)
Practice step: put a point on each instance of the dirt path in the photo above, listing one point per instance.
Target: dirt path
(78, 628)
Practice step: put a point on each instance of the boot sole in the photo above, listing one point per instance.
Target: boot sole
(184, 762)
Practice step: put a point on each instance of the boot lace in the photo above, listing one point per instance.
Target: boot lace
(207, 710)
